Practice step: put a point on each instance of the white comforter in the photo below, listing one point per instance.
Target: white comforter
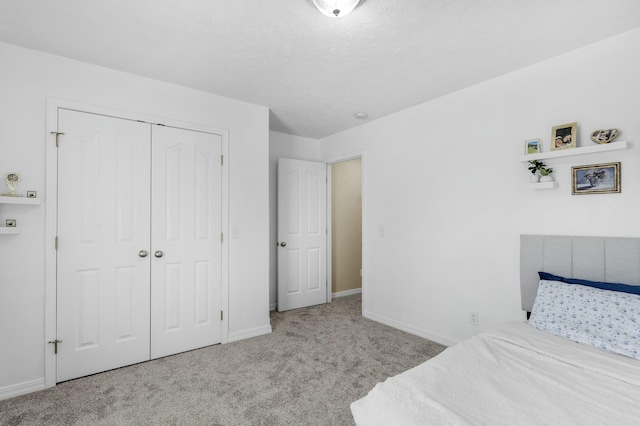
(514, 375)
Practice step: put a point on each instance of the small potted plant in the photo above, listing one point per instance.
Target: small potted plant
(538, 168)
(546, 174)
(534, 165)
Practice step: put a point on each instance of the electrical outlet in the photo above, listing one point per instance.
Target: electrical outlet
(474, 318)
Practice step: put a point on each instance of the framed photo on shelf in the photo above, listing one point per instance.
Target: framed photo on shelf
(564, 136)
(604, 136)
(596, 179)
(532, 146)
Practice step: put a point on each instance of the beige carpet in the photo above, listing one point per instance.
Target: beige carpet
(315, 363)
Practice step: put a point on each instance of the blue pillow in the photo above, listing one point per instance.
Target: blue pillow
(623, 288)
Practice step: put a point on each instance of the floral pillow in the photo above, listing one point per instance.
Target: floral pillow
(604, 319)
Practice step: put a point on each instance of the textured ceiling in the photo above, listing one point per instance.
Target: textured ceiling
(315, 72)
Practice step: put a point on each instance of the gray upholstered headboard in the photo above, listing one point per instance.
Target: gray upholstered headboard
(608, 259)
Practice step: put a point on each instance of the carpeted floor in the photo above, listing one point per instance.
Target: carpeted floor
(315, 363)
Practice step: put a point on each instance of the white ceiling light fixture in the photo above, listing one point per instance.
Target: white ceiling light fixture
(336, 8)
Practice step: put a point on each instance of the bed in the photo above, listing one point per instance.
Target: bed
(556, 369)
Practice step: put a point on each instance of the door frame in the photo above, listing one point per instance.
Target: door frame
(51, 213)
(331, 161)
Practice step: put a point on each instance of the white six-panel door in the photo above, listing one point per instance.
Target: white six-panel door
(103, 222)
(186, 233)
(302, 233)
(139, 259)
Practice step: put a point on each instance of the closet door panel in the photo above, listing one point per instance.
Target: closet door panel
(186, 230)
(103, 286)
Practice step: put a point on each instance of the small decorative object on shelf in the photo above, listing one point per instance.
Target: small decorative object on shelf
(532, 146)
(533, 168)
(32, 194)
(604, 136)
(546, 174)
(10, 223)
(538, 168)
(564, 136)
(11, 180)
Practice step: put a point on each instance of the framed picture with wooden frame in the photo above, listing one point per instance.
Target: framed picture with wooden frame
(532, 146)
(596, 179)
(564, 136)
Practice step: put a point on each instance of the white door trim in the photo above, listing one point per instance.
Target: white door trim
(339, 159)
(51, 214)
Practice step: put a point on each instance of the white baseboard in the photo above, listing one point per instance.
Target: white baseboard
(346, 293)
(273, 307)
(22, 388)
(409, 328)
(252, 332)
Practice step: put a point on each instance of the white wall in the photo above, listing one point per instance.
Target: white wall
(282, 145)
(447, 196)
(27, 78)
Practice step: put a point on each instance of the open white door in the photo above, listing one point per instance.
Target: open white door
(302, 233)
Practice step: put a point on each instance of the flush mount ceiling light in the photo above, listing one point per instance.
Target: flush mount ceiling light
(336, 8)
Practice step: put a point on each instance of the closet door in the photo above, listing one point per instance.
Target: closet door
(186, 234)
(103, 278)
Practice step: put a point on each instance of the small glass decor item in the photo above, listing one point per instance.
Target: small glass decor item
(11, 180)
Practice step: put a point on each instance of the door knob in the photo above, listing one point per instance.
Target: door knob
(158, 253)
(143, 253)
(283, 244)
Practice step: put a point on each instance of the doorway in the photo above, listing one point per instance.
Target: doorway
(298, 278)
(346, 228)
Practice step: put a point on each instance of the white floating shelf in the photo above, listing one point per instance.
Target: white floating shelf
(543, 185)
(613, 146)
(4, 230)
(19, 200)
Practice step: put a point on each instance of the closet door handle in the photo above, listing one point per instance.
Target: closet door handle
(143, 253)
(158, 253)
